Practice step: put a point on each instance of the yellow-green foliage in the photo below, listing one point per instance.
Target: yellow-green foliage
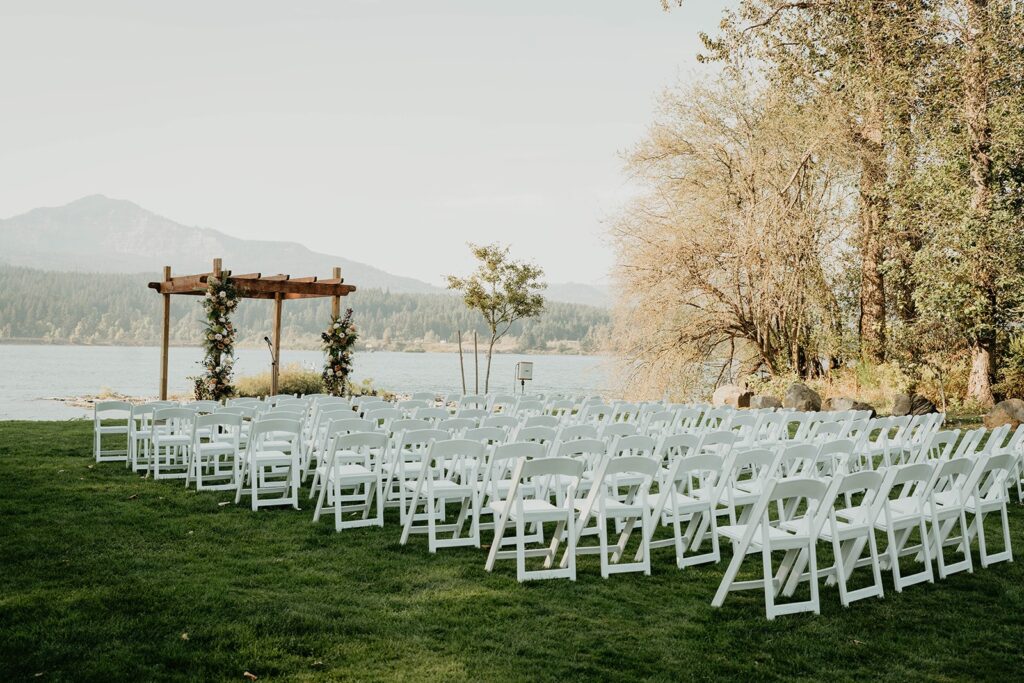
(294, 379)
(872, 384)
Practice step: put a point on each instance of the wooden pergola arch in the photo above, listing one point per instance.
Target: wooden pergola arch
(249, 286)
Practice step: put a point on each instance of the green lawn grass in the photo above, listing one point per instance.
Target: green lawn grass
(108, 576)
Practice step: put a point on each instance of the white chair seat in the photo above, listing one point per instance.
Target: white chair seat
(270, 457)
(684, 504)
(215, 448)
(443, 488)
(780, 538)
(533, 511)
(172, 439)
(615, 508)
(350, 473)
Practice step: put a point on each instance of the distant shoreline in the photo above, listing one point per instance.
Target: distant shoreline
(416, 347)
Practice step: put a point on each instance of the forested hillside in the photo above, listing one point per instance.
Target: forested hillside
(87, 308)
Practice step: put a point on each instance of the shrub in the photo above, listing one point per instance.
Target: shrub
(875, 384)
(294, 379)
(1011, 374)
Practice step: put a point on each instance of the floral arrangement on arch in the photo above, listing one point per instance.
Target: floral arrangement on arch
(219, 303)
(338, 341)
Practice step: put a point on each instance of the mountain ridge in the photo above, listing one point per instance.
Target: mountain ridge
(103, 235)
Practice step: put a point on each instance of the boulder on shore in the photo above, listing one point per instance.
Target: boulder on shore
(799, 396)
(901, 404)
(843, 403)
(1008, 412)
(762, 402)
(731, 395)
(904, 404)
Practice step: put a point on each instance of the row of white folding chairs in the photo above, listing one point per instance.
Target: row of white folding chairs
(443, 475)
(392, 421)
(274, 470)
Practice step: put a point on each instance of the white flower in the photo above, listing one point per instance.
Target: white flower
(223, 295)
(221, 319)
(219, 337)
(337, 325)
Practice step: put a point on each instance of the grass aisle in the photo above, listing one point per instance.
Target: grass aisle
(107, 576)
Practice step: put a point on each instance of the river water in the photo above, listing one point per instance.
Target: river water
(32, 375)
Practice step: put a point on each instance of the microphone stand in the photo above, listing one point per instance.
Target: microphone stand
(273, 360)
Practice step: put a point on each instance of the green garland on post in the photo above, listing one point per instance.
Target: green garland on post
(219, 303)
(338, 341)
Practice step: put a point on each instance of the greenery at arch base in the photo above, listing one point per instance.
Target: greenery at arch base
(219, 302)
(338, 342)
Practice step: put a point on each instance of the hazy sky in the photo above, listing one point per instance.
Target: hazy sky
(389, 132)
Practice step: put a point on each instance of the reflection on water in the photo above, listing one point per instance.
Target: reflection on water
(30, 374)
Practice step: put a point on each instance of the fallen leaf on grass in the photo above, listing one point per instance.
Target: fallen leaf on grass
(858, 642)
(223, 503)
(88, 467)
(251, 677)
(133, 496)
(184, 636)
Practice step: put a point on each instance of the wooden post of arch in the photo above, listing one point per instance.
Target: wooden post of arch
(276, 370)
(336, 300)
(165, 339)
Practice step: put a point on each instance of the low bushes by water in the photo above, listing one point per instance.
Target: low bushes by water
(295, 379)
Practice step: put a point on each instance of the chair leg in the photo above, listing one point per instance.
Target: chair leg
(813, 559)
(520, 549)
(769, 583)
(602, 536)
(730, 575)
(571, 526)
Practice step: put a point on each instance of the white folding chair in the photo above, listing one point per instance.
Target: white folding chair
(527, 504)
(449, 473)
(111, 419)
(899, 517)
(990, 495)
(215, 459)
(353, 462)
(848, 537)
(172, 442)
(761, 534)
(270, 465)
(689, 493)
(607, 502)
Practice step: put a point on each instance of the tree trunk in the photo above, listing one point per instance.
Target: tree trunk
(873, 198)
(979, 384)
(979, 131)
(873, 210)
(905, 236)
(487, 375)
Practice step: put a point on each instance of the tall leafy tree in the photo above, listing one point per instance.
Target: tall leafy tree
(503, 290)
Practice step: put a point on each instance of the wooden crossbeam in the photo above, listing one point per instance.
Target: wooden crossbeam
(289, 287)
(259, 286)
(259, 289)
